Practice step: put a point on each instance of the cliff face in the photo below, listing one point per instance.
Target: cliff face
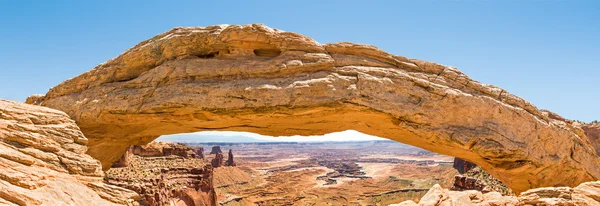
(462, 166)
(218, 160)
(473, 177)
(593, 133)
(166, 174)
(179, 186)
(156, 149)
(259, 79)
(43, 161)
(199, 152)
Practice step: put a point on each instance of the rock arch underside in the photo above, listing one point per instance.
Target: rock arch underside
(258, 79)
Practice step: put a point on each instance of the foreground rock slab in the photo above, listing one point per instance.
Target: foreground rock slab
(43, 161)
(586, 194)
(264, 80)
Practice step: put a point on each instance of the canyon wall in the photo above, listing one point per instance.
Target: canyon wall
(180, 186)
(165, 174)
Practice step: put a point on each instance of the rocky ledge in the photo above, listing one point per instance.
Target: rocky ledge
(165, 174)
(43, 161)
(586, 194)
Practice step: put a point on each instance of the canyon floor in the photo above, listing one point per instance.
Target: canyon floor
(331, 173)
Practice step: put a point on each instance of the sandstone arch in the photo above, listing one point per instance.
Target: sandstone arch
(257, 79)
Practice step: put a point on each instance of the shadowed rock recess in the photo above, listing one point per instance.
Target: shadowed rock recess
(258, 79)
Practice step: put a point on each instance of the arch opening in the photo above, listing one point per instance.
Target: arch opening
(314, 89)
(339, 168)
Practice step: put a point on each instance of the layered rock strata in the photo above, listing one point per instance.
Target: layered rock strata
(259, 79)
(174, 186)
(171, 177)
(43, 161)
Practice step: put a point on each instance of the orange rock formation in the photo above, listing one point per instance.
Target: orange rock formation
(264, 80)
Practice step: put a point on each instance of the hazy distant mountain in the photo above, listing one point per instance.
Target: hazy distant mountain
(216, 136)
(209, 138)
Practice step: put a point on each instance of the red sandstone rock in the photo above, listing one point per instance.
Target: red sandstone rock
(230, 161)
(218, 160)
(199, 152)
(463, 166)
(182, 186)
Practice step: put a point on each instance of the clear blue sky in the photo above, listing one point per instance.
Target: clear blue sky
(545, 51)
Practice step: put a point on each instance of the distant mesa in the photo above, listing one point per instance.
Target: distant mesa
(216, 150)
(159, 149)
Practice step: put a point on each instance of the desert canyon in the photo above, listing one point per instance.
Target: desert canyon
(83, 141)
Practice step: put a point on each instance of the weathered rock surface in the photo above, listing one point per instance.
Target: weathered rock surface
(43, 161)
(258, 79)
(462, 166)
(472, 177)
(157, 149)
(172, 178)
(125, 159)
(189, 186)
(230, 162)
(585, 194)
(218, 160)
(199, 152)
(593, 133)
